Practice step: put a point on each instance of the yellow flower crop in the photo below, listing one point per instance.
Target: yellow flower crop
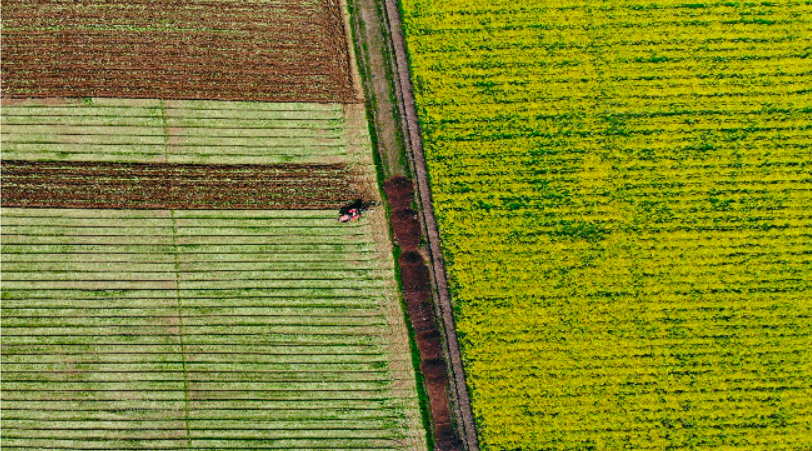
(625, 200)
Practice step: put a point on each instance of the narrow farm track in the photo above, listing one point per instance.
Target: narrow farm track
(459, 387)
(249, 50)
(200, 330)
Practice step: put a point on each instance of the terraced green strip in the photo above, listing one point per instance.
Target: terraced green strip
(198, 330)
(153, 131)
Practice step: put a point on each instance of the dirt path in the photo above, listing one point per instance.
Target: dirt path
(375, 58)
(383, 55)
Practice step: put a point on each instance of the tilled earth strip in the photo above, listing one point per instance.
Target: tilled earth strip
(285, 50)
(177, 186)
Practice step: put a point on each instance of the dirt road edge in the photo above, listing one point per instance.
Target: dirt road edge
(414, 144)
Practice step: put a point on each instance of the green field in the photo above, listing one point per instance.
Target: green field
(178, 131)
(201, 330)
(624, 196)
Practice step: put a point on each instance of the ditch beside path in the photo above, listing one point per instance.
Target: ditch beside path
(382, 50)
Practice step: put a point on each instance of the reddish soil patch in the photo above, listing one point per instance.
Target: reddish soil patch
(422, 315)
(438, 398)
(280, 51)
(435, 371)
(411, 258)
(429, 344)
(399, 192)
(425, 322)
(415, 275)
(406, 228)
(420, 307)
(417, 292)
(175, 186)
(447, 438)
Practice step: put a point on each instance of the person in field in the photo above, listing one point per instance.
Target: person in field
(353, 211)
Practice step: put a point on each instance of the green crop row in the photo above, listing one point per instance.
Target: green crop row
(117, 335)
(128, 130)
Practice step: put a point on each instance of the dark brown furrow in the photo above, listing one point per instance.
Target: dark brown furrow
(176, 186)
(280, 52)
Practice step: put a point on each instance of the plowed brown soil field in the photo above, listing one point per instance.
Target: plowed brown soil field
(288, 50)
(176, 186)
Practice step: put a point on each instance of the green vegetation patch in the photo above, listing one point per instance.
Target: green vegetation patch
(174, 131)
(624, 195)
(200, 330)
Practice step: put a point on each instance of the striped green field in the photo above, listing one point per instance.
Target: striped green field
(179, 131)
(161, 329)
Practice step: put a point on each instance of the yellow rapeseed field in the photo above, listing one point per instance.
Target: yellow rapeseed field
(624, 190)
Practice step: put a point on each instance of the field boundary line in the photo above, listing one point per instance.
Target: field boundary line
(414, 144)
(179, 306)
(357, 84)
(360, 145)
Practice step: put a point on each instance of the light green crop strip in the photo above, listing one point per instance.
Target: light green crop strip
(174, 131)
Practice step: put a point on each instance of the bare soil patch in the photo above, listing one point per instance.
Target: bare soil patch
(415, 276)
(429, 344)
(399, 191)
(406, 228)
(416, 281)
(248, 50)
(176, 186)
